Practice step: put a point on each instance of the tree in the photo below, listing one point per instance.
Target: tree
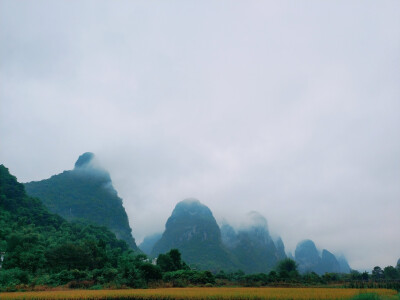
(165, 263)
(150, 272)
(176, 258)
(377, 273)
(365, 276)
(311, 277)
(391, 272)
(171, 261)
(355, 275)
(287, 268)
(272, 276)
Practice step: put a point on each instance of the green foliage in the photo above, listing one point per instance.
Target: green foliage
(287, 269)
(185, 277)
(391, 273)
(13, 277)
(66, 276)
(150, 272)
(259, 279)
(377, 273)
(171, 261)
(312, 278)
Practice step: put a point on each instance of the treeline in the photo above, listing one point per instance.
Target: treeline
(286, 274)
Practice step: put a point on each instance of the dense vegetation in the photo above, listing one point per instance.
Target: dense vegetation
(85, 194)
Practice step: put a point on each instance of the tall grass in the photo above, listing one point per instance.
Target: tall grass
(208, 294)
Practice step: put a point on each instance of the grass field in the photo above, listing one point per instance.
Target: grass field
(211, 294)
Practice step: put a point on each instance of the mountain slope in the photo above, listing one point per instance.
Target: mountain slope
(86, 194)
(344, 265)
(307, 257)
(37, 241)
(192, 229)
(329, 263)
(253, 245)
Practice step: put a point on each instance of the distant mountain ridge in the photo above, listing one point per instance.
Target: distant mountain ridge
(309, 260)
(85, 193)
(193, 230)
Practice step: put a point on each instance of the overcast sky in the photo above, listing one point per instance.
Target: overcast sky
(289, 108)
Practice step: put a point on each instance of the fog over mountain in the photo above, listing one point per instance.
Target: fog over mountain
(287, 108)
(85, 194)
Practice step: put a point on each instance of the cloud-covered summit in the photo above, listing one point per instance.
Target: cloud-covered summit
(84, 160)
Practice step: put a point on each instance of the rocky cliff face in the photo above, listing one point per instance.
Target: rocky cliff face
(86, 194)
(192, 229)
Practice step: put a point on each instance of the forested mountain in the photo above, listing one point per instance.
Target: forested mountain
(253, 246)
(193, 230)
(36, 241)
(86, 194)
(309, 260)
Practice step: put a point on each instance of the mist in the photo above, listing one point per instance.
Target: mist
(287, 108)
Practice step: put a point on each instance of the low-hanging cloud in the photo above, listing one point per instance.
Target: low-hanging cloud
(287, 108)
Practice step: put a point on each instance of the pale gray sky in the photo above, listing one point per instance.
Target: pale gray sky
(289, 108)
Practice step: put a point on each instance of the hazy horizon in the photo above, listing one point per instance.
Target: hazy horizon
(288, 108)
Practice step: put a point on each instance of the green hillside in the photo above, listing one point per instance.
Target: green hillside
(86, 194)
(39, 244)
